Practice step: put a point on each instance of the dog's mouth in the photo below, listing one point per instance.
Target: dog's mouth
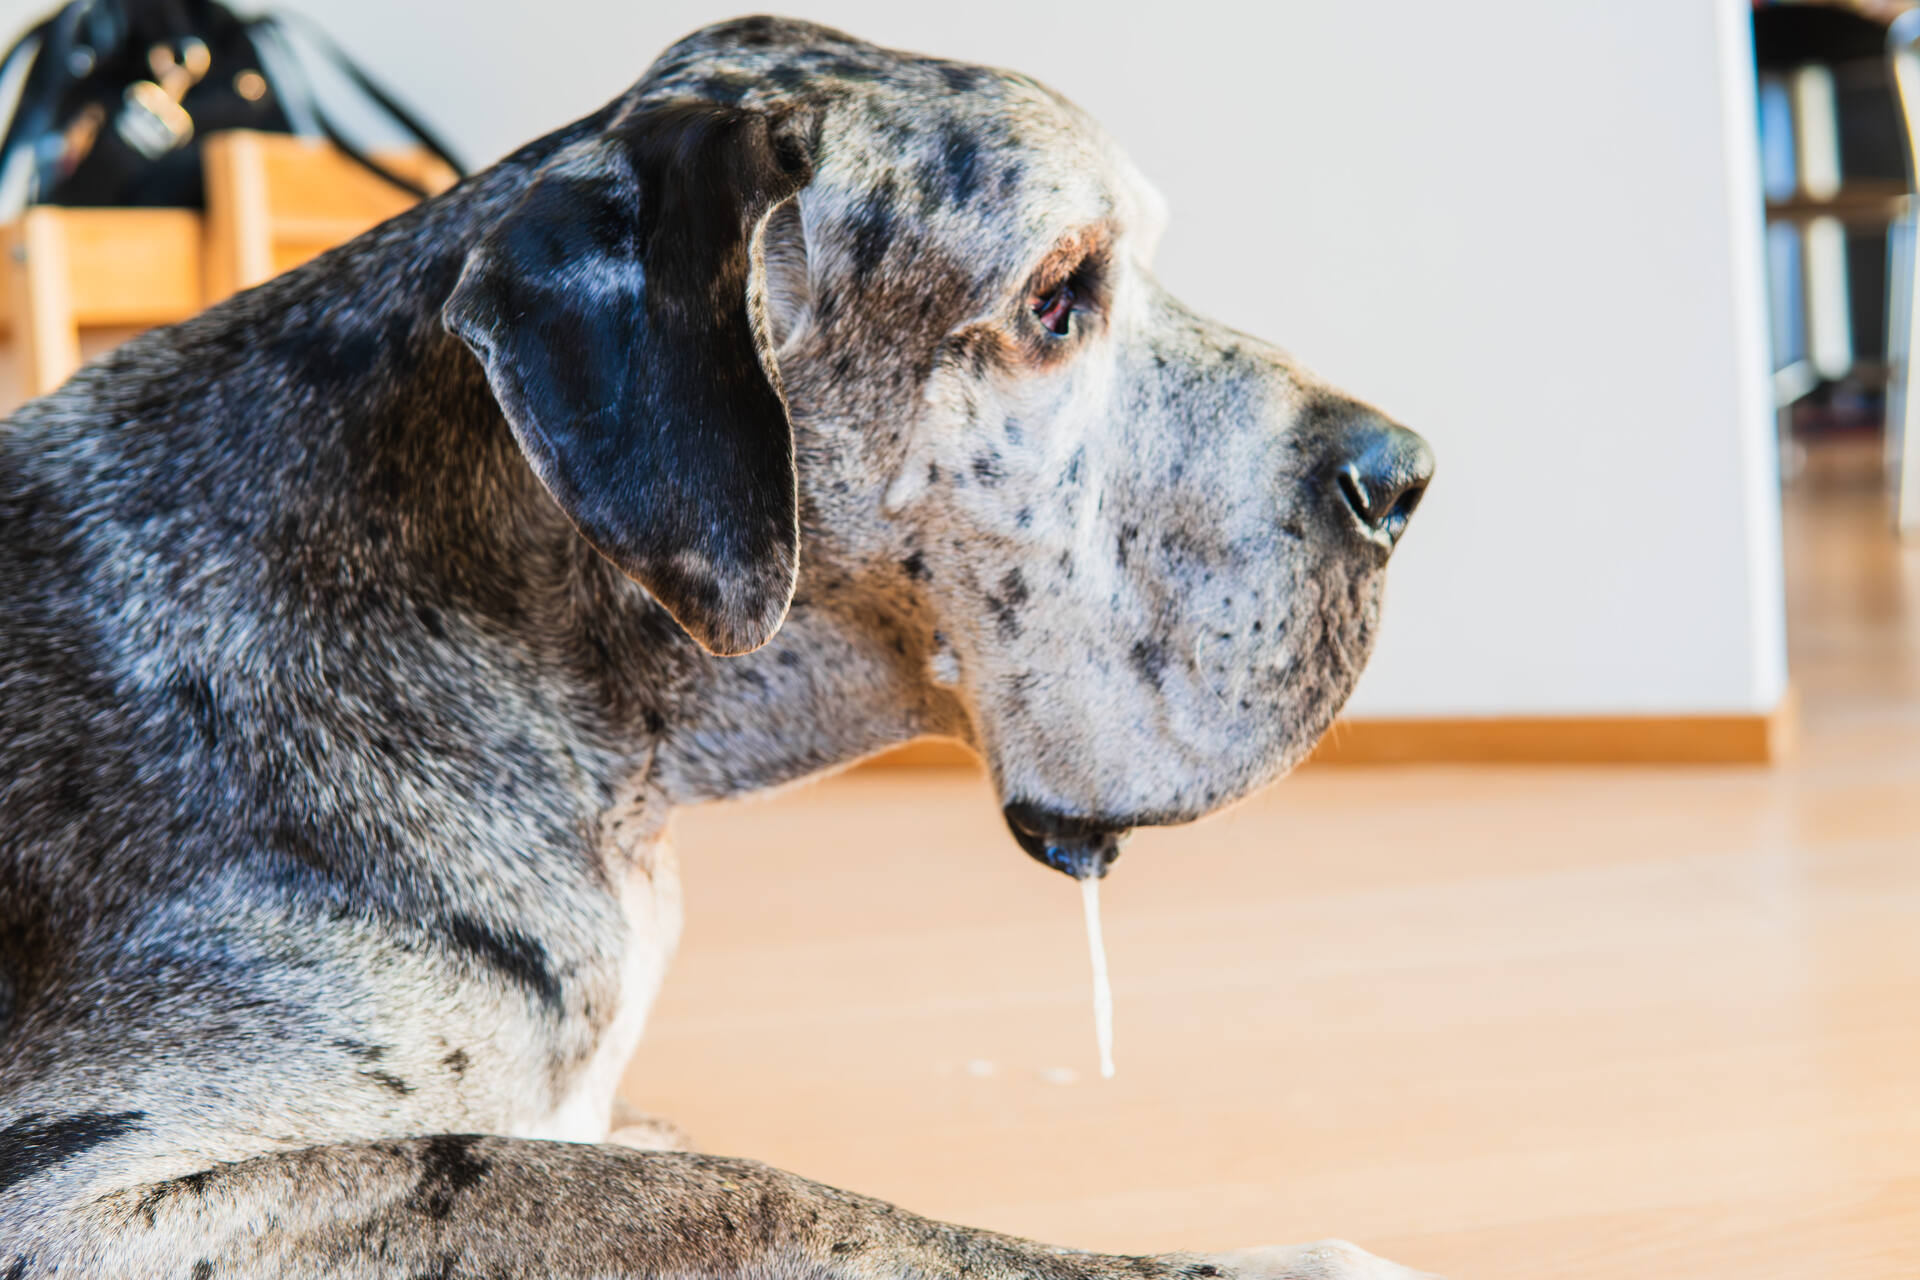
(1074, 846)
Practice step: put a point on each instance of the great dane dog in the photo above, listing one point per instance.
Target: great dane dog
(358, 637)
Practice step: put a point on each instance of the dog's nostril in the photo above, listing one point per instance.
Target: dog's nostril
(1402, 510)
(1355, 493)
(1384, 474)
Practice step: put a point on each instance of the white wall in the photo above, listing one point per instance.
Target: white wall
(1528, 230)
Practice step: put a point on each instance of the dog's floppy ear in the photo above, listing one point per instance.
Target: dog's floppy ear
(619, 311)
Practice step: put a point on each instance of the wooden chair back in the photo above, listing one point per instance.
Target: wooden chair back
(275, 200)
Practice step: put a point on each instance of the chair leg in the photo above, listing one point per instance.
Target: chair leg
(1903, 346)
(239, 239)
(1906, 478)
(40, 297)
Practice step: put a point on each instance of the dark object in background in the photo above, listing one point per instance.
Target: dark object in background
(1788, 35)
(1872, 137)
(119, 92)
(1866, 134)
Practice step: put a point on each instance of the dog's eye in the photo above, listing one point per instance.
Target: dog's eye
(1055, 310)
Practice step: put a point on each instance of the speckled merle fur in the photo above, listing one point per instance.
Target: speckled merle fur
(358, 636)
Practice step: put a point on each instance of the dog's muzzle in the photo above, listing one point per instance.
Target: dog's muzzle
(1078, 847)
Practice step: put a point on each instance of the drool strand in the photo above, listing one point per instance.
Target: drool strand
(1102, 989)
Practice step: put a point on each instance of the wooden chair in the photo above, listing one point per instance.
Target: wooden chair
(273, 201)
(96, 268)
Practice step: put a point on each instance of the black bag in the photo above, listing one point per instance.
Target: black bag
(119, 93)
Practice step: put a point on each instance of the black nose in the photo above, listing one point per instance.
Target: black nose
(1383, 475)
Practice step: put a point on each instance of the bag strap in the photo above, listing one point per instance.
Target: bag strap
(278, 28)
(49, 46)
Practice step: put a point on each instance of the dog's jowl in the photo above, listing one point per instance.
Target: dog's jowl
(358, 636)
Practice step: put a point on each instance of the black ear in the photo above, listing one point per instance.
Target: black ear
(619, 311)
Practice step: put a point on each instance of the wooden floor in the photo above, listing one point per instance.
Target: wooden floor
(1493, 1021)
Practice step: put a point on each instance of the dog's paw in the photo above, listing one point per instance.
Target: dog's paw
(1321, 1260)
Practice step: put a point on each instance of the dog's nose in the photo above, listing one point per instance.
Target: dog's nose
(1383, 475)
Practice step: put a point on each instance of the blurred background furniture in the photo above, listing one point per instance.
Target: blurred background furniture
(1903, 436)
(1837, 90)
(1835, 182)
(69, 269)
(160, 155)
(273, 201)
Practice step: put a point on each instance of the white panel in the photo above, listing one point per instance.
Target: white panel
(1529, 230)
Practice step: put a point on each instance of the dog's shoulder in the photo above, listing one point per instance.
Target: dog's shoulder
(262, 567)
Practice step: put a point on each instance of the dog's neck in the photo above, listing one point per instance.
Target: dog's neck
(438, 494)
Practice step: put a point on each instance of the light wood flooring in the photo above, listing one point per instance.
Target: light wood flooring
(1520, 1021)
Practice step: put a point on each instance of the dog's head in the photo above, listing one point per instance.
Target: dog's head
(807, 305)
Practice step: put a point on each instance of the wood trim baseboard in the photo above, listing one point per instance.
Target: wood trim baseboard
(1751, 738)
